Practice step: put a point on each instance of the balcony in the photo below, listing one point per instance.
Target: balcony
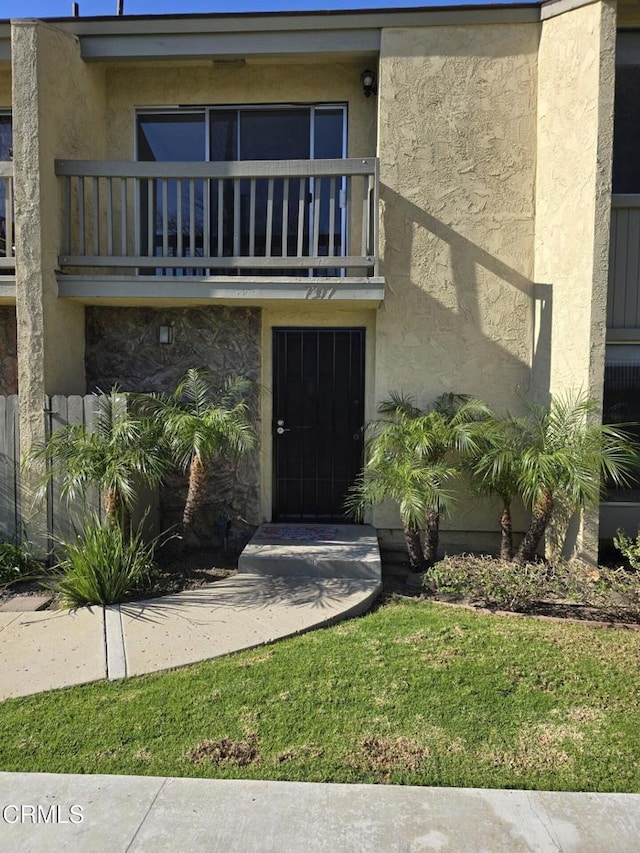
(7, 240)
(623, 303)
(246, 230)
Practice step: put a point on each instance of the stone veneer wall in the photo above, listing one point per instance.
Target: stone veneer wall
(122, 348)
(8, 350)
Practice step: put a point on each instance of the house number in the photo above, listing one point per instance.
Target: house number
(320, 292)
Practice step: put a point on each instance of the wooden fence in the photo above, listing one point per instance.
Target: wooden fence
(63, 517)
(10, 503)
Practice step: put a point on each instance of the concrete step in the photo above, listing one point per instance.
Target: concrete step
(313, 551)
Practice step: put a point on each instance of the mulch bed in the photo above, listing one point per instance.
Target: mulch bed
(398, 580)
(175, 572)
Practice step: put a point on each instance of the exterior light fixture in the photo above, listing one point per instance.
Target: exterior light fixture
(166, 335)
(368, 80)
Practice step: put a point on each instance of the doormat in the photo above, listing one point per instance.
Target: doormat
(296, 532)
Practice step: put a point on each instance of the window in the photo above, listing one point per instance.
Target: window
(6, 137)
(622, 403)
(217, 134)
(626, 131)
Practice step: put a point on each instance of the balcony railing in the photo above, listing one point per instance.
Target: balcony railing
(283, 217)
(7, 240)
(623, 303)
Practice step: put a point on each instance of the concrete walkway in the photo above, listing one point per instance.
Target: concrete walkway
(128, 813)
(50, 649)
(58, 648)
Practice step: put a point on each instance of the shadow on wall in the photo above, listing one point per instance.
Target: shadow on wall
(467, 339)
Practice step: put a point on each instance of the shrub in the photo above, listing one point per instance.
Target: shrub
(629, 548)
(102, 565)
(499, 583)
(617, 593)
(17, 563)
(614, 593)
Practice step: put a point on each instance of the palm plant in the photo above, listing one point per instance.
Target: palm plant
(120, 451)
(409, 460)
(495, 470)
(565, 459)
(201, 422)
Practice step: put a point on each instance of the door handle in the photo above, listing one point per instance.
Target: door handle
(282, 430)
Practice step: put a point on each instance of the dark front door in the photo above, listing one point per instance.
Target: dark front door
(318, 412)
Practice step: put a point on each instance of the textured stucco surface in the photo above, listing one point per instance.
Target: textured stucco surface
(573, 186)
(456, 142)
(254, 83)
(61, 114)
(258, 82)
(8, 350)
(122, 348)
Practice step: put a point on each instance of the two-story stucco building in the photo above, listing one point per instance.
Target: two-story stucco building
(235, 191)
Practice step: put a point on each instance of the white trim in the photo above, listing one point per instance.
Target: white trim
(553, 8)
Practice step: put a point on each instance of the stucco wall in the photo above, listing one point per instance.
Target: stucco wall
(456, 142)
(122, 347)
(61, 115)
(234, 84)
(575, 130)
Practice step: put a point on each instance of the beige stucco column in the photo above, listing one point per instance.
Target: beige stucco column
(576, 68)
(456, 142)
(58, 111)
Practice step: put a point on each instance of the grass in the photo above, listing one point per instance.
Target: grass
(414, 693)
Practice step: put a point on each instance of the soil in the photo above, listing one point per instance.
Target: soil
(174, 573)
(192, 569)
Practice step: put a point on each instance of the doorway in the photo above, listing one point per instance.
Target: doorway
(318, 415)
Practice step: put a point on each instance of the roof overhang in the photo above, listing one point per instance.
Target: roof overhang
(227, 36)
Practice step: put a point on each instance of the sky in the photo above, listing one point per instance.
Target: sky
(62, 8)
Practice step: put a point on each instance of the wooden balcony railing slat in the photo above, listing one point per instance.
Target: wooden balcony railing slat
(180, 248)
(220, 246)
(252, 217)
(123, 216)
(235, 262)
(284, 247)
(269, 224)
(302, 192)
(109, 203)
(192, 218)
(236, 217)
(332, 216)
(198, 213)
(235, 169)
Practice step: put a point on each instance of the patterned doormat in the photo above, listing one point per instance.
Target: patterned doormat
(296, 532)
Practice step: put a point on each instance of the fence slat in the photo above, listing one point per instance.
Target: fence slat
(7, 479)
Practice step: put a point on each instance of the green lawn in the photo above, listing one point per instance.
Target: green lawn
(414, 693)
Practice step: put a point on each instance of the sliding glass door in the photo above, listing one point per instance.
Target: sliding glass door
(268, 219)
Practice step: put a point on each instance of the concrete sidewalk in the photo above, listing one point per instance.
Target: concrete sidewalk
(128, 813)
(283, 587)
(50, 649)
